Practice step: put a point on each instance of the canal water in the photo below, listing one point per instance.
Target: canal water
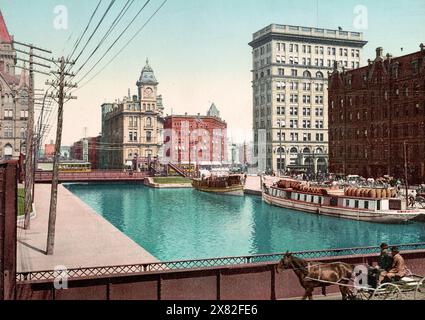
(187, 224)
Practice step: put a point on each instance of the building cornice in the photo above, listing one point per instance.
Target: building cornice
(306, 39)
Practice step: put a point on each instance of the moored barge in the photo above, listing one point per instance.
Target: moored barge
(372, 205)
(225, 185)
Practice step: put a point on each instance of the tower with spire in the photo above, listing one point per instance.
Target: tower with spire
(139, 119)
(14, 98)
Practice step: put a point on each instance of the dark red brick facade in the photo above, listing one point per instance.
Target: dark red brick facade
(209, 128)
(373, 112)
(77, 151)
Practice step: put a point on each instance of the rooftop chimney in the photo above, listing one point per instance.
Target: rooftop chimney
(379, 52)
(422, 47)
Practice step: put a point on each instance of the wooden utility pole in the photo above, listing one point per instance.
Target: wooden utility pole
(60, 96)
(29, 181)
(29, 144)
(39, 137)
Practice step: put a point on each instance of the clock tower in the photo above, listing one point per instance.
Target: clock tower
(148, 85)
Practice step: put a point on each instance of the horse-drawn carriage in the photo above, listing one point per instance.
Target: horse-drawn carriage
(411, 287)
(353, 281)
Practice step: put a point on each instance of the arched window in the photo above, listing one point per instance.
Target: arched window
(8, 151)
(149, 122)
(319, 74)
(319, 150)
(280, 150)
(306, 150)
(307, 74)
(294, 150)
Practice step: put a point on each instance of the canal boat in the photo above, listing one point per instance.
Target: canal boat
(362, 204)
(225, 185)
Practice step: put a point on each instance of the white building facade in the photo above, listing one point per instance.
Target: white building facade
(290, 100)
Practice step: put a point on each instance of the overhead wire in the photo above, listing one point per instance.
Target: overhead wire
(123, 47)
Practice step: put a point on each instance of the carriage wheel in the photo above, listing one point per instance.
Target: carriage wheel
(387, 291)
(362, 295)
(420, 290)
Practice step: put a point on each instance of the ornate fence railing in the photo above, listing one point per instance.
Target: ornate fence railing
(201, 263)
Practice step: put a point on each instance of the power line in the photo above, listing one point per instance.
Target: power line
(124, 47)
(95, 30)
(121, 14)
(85, 30)
(115, 42)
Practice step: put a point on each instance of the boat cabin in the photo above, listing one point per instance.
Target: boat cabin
(337, 200)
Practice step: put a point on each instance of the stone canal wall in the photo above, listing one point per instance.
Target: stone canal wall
(241, 282)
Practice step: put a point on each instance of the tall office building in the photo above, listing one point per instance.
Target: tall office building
(290, 101)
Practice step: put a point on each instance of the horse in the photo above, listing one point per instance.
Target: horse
(329, 273)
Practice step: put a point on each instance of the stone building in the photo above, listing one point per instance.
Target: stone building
(132, 129)
(374, 112)
(14, 99)
(290, 116)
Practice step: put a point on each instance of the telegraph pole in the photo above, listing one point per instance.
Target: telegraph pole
(29, 150)
(38, 140)
(61, 99)
(29, 181)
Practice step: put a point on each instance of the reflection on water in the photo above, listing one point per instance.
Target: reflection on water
(188, 224)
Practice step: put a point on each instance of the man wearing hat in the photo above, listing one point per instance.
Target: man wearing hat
(398, 268)
(385, 262)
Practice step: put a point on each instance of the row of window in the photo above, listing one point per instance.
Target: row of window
(8, 114)
(133, 136)
(135, 153)
(8, 132)
(307, 137)
(402, 130)
(293, 111)
(331, 51)
(372, 98)
(133, 122)
(281, 73)
(308, 62)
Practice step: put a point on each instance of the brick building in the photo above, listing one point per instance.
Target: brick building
(205, 136)
(374, 112)
(49, 150)
(86, 150)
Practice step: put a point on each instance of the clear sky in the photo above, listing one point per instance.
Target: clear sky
(198, 48)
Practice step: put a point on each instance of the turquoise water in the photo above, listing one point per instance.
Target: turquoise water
(187, 224)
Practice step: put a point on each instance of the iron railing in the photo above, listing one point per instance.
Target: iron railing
(201, 263)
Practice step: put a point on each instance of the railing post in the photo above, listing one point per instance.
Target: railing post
(273, 283)
(218, 288)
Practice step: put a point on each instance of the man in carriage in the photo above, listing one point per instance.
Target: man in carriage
(398, 268)
(385, 262)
